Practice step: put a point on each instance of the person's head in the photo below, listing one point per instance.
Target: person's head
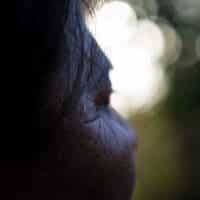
(71, 144)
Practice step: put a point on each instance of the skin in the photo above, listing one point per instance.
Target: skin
(68, 142)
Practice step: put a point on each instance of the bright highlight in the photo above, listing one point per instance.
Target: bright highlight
(134, 48)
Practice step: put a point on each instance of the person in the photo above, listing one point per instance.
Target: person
(67, 142)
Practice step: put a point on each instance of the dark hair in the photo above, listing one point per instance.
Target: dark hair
(82, 52)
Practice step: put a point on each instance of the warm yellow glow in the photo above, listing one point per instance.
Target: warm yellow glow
(134, 48)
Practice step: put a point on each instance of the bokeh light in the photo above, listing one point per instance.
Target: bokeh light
(198, 47)
(154, 47)
(173, 44)
(187, 10)
(134, 47)
(145, 8)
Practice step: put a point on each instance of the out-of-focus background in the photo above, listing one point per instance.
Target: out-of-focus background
(154, 46)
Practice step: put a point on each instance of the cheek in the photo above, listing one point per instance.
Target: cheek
(102, 152)
(113, 133)
(113, 136)
(118, 130)
(116, 144)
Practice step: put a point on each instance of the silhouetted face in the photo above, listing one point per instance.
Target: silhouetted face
(99, 143)
(85, 149)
